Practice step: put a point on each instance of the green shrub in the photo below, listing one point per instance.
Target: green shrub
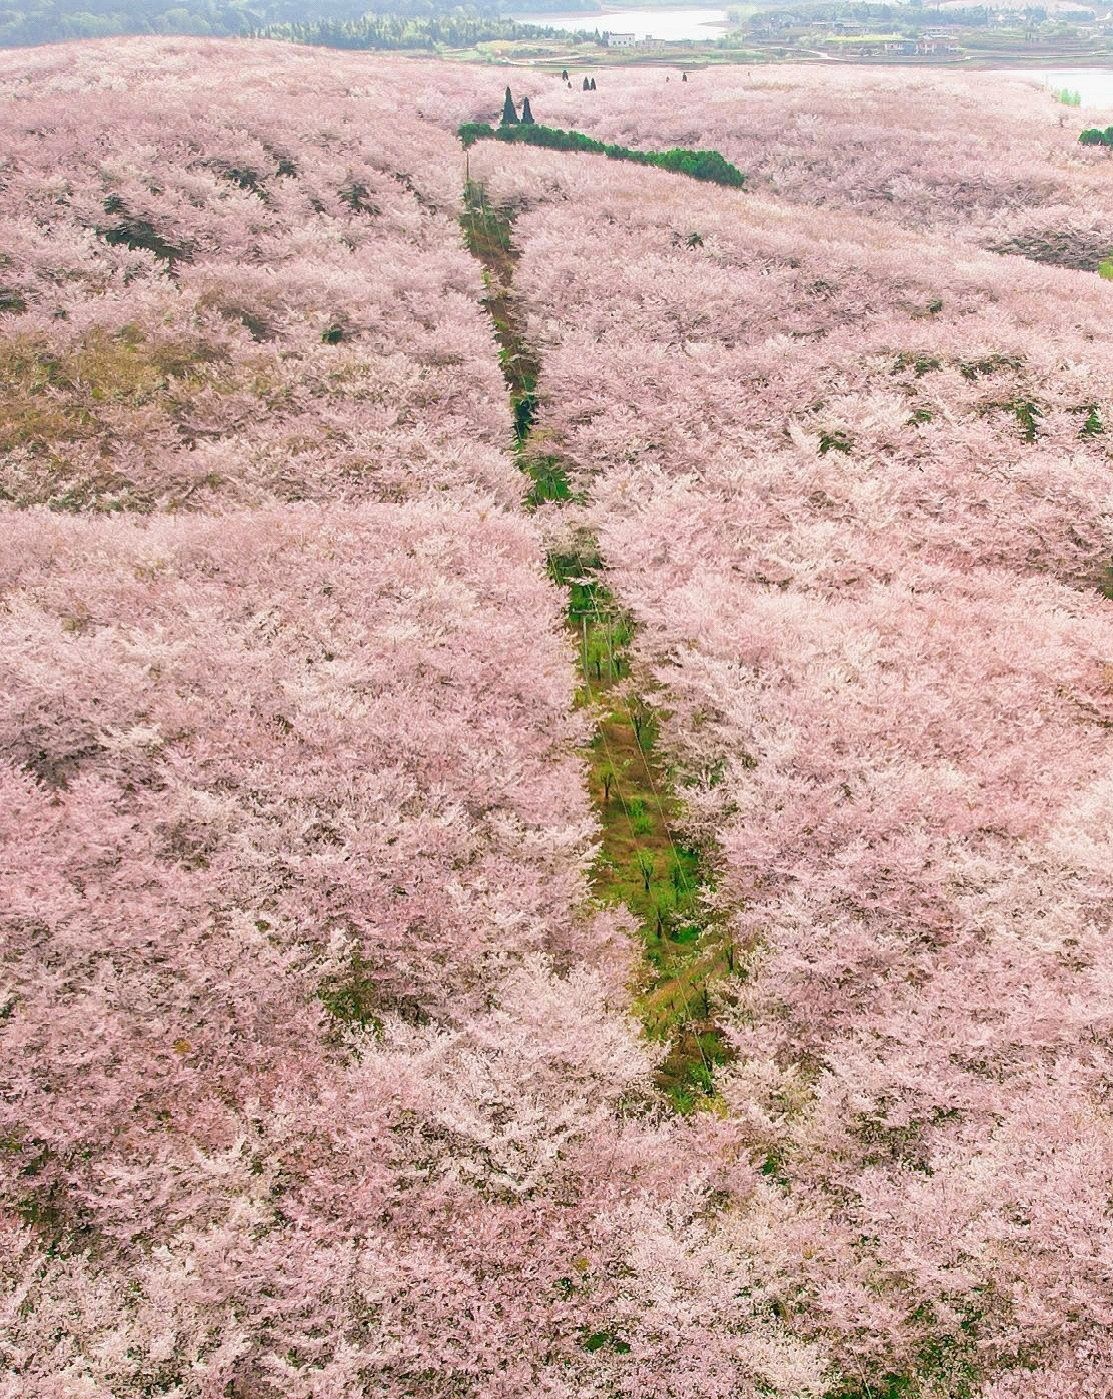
(606, 1340)
(550, 481)
(698, 165)
(833, 442)
(1027, 415)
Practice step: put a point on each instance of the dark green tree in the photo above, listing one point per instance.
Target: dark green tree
(564, 75)
(587, 85)
(527, 115)
(593, 84)
(509, 111)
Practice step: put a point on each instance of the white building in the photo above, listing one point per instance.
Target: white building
(620, 41)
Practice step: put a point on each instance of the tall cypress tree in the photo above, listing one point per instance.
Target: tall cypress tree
(564, 75)
(527, 115)
(509, 111)
(587, 85)
(593, 84)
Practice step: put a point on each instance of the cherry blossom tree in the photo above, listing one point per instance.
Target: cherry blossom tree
(858, 502)
(320, 1073)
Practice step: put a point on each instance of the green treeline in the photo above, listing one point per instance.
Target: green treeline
(457, 29)
(343, 24)
(1093, 136)
(700, 165)
(45, 21)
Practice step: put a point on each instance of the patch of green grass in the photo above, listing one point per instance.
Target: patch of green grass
(888, 1386)
(605, 1340)
(836, 441)
(990, 364)
(352, 998)
(919, 364)
(1026, 413)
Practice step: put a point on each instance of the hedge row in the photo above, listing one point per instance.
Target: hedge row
(700, 165)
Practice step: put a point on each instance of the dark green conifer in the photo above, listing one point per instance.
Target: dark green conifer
(593, 84)
(527, 115)
(587, 85)
(509, 111)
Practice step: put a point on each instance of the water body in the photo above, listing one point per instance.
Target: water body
(1094, 85)
(662, 24)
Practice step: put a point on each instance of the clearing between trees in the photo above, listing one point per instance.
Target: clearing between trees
(643, 864)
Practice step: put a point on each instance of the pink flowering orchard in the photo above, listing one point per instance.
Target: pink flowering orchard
(859, 502)
(326, 1065)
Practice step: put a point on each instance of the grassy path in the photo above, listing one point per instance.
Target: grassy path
(643, 863)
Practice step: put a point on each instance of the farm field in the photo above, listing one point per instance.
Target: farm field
(556, 735)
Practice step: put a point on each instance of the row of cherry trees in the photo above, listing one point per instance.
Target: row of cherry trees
(855, 487)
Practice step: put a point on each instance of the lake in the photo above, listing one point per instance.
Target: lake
(662, 24)
(1094, 85)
